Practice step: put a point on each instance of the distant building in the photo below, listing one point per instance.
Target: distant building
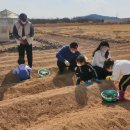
(7, 20)
(115, 21)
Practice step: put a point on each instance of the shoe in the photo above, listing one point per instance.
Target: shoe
(71, 69)
(121, 95)
(60, 72)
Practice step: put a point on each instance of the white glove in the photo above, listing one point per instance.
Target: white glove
(24, 37)
(67, 63)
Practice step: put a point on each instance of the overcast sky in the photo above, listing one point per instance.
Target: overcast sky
(67, 8)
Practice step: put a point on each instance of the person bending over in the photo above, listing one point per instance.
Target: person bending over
(84, 70)
(120, 72)
(66, 57)
(99, 56)
(22, 71)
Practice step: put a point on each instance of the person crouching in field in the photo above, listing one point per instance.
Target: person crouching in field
(120, 71)
(84, 70)
(22, 71)
(66, 57)
(99, 56)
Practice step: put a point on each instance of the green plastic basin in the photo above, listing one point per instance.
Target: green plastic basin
(44, 72)
(110, 95)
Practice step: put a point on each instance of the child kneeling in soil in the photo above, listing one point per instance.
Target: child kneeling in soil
(84, 70)
(22, 71)
(120, 71)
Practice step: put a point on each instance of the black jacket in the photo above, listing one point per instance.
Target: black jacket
(86, 72)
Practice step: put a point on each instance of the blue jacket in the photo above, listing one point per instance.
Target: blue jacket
(66, 54)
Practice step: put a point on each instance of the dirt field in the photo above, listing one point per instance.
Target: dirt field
(53, 103)
(114, 33)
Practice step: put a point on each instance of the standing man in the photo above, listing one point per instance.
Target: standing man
(23, 32)
(66, 57)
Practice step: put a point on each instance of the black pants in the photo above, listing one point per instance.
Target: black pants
(28, 48)
(102, 73)
(124, 82)
(62, 66)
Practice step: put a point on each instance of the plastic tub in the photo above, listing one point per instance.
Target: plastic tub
(44, 72)
(110, 95)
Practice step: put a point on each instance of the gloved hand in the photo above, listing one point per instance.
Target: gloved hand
(67, 63)
(108, 78)
(24, 37)
(116, 82)
(20, 41)
(28, 36)
(89, 83)
(97, 80)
